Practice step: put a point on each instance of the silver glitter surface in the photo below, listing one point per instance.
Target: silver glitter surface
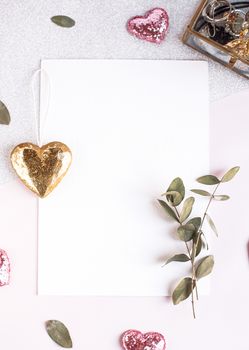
(27, 35)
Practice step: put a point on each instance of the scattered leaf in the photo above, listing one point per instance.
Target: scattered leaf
(230, 174)
(182, 290)
(221, 197)
(168, 210)
(59, 333)
(63, 21)
(202, 192)
(174, 198)
(177, 186)
(178, 257)
(4, 114)
(205, 267)
(187, 208)
(208, 180)
(211, 224)
(186, 232)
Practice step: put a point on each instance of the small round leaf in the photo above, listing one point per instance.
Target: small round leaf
(168, 210)
(187, 208)
(201, 192)
(221, 197)
(4, 114)
(178, 186)
(182, 290)
(230, 174)
(208, 180)
(205, 267)
(178, 258)
(186, 232)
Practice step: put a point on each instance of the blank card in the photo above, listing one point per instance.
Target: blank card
(132, 126)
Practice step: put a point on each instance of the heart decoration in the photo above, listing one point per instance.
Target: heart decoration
(135, 340)
(41, 169)
(4, 268)
(152, 26)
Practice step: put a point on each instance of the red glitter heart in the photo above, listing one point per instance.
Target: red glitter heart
(151, 27)
(4, 268)
(135, 340)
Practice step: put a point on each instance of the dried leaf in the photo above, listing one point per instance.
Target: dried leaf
(202, 192)
(211, 224)
(59, 333)
(187, 209)
(186, 232)
(199, 244)
(221, 197)
(63, 21)
(205, 267)
(174, 198)
(178, 257)
(208, 180)
(196, 222)
(182, 290)
(177, 186)
(168, 210)
(4, 114)
(230, 174)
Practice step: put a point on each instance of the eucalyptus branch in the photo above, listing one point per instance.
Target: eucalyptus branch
(191, 231)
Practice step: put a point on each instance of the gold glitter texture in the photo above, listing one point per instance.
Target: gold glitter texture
(41, 169)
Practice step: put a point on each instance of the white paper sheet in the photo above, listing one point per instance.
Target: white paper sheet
(132, 126)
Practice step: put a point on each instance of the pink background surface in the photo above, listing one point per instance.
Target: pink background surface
(97, 323)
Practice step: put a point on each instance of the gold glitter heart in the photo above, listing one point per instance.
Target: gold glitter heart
(41, 169)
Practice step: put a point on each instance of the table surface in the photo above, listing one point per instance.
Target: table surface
(28, 36)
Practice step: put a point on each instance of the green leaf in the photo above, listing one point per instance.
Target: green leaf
(178, 257)
(211, 224)
(182, 290)
(221, 197)
(199, 245)
(186, 232)
(205, 267)
(168, 210)
(59, 333)
(4, 114)
(208, 180)
(174, 198)
(196, 222)
(202, 192)
(177, 185)
(187, 209)
(63, 21)
(229, 175)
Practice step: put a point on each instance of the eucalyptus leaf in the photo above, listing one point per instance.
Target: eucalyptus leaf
(177, 185)
(168, 210)
(230, 174)
(4, 114)
(196, 222)
(205, 267)
(63, 21)
(202, 192)
(59, 333)
(187, 208)
(199, 246)
(208, 180)
(182, 290)
(212, 224)
(174, 198)
(221, 197)
(178, 257)
(186, 232)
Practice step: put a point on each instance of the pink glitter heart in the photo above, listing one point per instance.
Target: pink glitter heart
(135, 340)
(4, 268)
(151, 27)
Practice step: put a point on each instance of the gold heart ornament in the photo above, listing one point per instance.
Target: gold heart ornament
(41, 169)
